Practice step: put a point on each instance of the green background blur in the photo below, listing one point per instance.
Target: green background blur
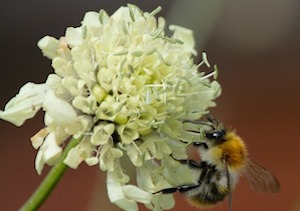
(256, 46)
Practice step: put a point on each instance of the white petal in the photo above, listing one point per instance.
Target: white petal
(80, 153)
(39, 162)
(134, 154)
(83, 103)
(91, 19)
(60, 111)
(48, 120)
(73, 85)
(74, 36)
(108, 156)
(116, 195)
(92, 161)
(102, 133)
(39, 137)
(51, 151)
(124, 13)
(144, 178)
(25, 104)
(134, 193)
(86, 122)
(186, 36)
(73, 159)
(163, 202)
(81, 123)
(53, 81)
(49, 46)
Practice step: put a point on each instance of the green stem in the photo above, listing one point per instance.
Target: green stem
(49, 182)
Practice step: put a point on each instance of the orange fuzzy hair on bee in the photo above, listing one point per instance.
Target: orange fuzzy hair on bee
(232, 150)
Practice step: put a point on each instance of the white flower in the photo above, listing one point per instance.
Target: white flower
(122, 87)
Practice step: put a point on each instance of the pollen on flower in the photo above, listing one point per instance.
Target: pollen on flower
(125, 87)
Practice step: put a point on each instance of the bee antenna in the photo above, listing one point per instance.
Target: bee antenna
(201, 122)
(212, 119)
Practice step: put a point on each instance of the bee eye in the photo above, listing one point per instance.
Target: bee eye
(213, 135)
(216, 135)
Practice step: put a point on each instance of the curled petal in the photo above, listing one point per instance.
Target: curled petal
(73, 85)
(126, 14)
(125, 196)
(39, 162)
(162, 202)
(127, 133)
(102, 133)
(108, 156)
(60, 111)
(86, 122)
(134, 193)
(39, 137)
(51, 150)
(62, 66)
(48, 153)
(91, 161)
(84, 104)
(80, 124)
(144, 178)
(49, 46)
(73, 159)
(91, 19)
(116, 195)
(74, 36)
(169, 126)
(186, 36)
(150, 179)
(134, 154)
(78, 154)
(25, 104)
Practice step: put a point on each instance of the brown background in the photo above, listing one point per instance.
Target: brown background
(256, 46)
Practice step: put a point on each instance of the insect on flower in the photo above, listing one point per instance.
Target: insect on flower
(223, 159)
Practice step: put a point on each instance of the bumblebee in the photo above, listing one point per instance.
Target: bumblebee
(224, 158)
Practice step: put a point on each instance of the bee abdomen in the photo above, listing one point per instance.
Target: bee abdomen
(209, 197)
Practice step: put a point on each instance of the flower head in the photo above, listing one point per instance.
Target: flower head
(122, 87)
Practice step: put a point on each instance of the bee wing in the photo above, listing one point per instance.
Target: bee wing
(260, 178)
(229, 187)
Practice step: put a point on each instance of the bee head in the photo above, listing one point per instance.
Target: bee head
(214, 130)
(217, 131)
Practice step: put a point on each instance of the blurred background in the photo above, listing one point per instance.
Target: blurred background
(256, 45)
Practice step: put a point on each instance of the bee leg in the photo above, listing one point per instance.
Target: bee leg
(190, 163)
(200, 144)
(197, 144)
(181, 189)
(185, 188)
